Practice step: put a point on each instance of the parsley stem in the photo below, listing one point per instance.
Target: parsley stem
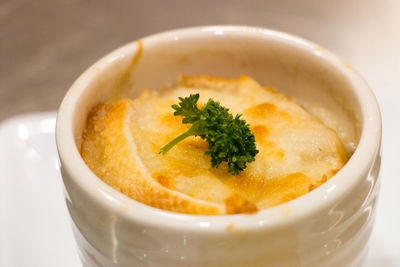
(168, 146)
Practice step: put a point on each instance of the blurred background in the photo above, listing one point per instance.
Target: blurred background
(45, 44)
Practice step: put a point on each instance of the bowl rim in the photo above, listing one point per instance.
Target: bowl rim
(285, 214)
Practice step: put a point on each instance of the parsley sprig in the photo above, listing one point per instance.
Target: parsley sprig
(229, 138)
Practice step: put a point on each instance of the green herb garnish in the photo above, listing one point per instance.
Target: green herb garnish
(229, 138)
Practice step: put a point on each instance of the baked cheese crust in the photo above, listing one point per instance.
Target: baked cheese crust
(297, 152)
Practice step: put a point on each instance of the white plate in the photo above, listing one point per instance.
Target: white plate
(35, 226)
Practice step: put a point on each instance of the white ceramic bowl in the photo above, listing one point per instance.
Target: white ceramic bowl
(329, 226)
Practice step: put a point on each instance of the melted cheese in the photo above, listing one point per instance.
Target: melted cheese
(297, 151)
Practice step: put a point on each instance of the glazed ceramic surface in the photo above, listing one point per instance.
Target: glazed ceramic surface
(329, 226)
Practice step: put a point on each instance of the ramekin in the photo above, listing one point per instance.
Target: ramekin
(330, 226)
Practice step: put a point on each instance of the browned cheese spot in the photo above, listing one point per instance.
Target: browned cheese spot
(260, 131)
(173, 121)
(164, 181)
(236, 204)
(311, 187)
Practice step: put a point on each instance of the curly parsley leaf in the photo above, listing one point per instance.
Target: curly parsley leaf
(229, 138)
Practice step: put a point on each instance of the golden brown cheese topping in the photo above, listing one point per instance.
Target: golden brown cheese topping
(297, 152)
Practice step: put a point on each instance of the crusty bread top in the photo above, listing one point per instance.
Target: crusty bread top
(297, 152)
